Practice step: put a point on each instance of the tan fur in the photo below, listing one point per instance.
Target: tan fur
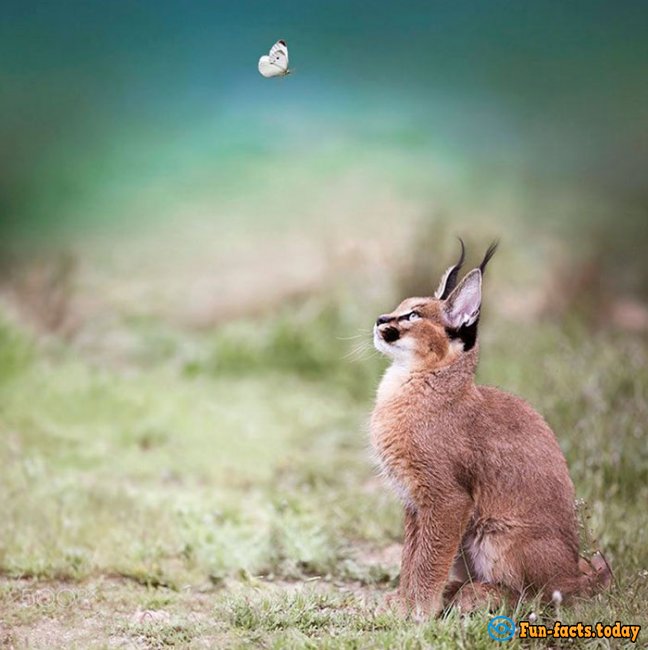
(484, 484)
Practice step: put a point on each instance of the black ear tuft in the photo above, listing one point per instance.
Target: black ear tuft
(451, 280)
(489, 253)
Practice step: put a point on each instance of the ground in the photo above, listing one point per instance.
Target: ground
(168, 485)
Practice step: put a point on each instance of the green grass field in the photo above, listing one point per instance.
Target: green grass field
(216, 490)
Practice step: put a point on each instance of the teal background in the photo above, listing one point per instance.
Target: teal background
(117, 110)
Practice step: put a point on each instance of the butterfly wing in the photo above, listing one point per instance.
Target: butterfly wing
(279, 53)
(275, 64)
(279, 56)
(267, 68)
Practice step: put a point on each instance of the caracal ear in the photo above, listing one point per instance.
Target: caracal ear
(462, 306)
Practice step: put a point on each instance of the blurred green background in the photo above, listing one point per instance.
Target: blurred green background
(192, 257)
(114, 110)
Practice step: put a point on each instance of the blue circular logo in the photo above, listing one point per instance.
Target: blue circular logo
(501, 628)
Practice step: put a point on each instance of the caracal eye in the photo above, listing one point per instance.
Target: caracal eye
(414, 316)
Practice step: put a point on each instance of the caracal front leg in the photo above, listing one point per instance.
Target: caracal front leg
(409, 549)
(407, 558)
(440, 528)
(398, 599)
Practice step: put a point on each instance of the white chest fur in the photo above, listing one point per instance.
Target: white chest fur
(391, 383)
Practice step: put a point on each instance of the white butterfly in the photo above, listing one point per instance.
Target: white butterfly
(275, 64)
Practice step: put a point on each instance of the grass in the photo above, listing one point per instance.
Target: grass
(215, 490)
